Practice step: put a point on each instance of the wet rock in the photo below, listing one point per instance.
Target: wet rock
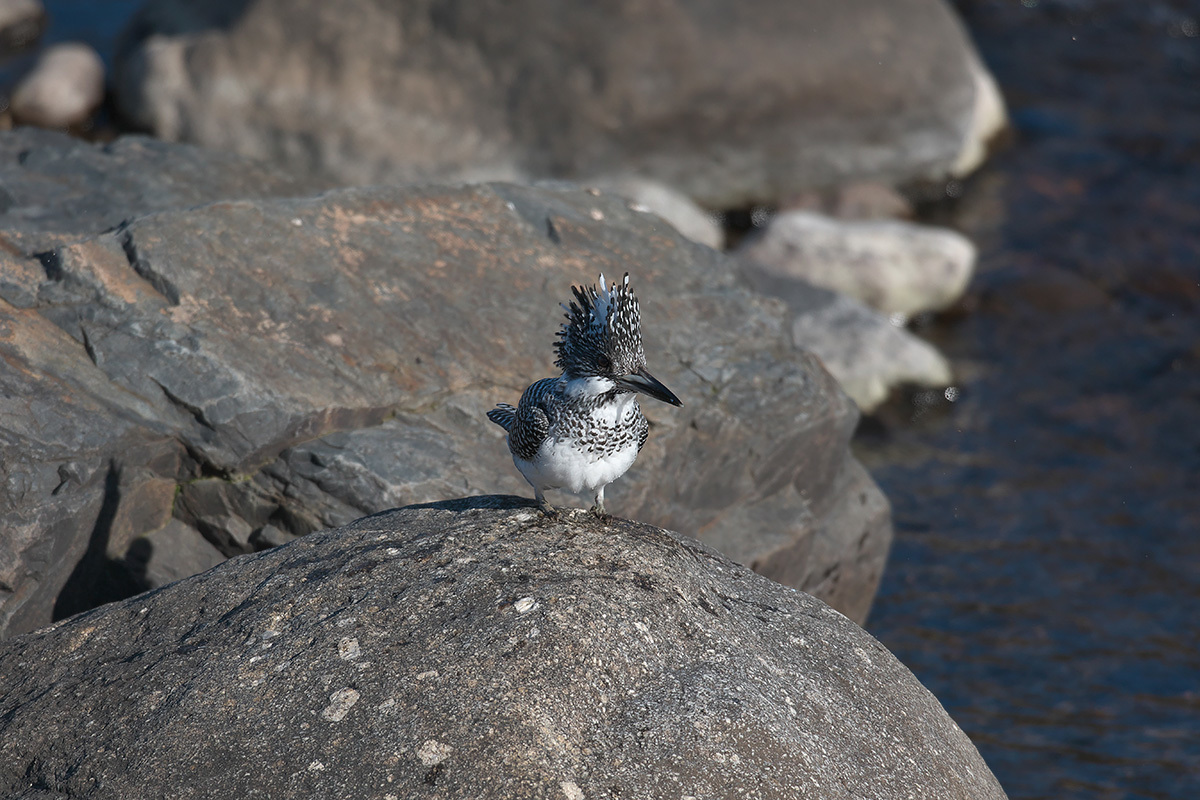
(733, 104)
(893, 266)
(299, 363)
(21, 24)
(476, 650)
(868, 354)
(64, 87)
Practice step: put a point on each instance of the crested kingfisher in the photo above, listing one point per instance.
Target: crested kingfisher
(582, 430)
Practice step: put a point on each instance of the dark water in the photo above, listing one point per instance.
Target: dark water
(1045, 582)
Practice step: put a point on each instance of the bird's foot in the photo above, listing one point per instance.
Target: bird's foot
(600, 513)
(550, 511)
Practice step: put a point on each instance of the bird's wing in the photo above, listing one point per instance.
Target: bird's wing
(643, 432)
(532, 419)
(503, 415)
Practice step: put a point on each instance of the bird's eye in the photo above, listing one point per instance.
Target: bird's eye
(604, 362)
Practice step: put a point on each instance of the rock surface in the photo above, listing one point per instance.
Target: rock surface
(21, 24)
(474, 650)
(868, 354)
(732, 104)
(56, 189)
(64, 87)
(254, 369)
(676, 208)
(893, 266)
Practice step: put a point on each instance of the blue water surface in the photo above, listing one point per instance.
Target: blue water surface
(1045, 582)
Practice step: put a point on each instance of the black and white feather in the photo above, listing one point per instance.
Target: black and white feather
(603, 332)
(583, 430)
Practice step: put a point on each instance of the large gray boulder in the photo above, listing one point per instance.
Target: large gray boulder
(56, 189)
(474, 650)
(732, 103)
(228, 376)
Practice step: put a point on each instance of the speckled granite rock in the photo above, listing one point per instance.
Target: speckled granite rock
(474, 650)
(730, 103)
(258, 368)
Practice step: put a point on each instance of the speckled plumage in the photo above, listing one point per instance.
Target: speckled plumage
(583, 430)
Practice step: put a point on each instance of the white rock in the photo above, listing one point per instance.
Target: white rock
(988, 119)
(21, 23)
(866, 353)
(893, 266)
(673, 206)
(64, 87)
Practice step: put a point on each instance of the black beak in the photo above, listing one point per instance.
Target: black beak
(644, 382)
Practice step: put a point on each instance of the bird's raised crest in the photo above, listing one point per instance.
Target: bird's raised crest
(600, 321)
(583, 430)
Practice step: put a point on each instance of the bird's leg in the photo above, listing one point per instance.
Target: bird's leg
(598, 508)
(545, 507)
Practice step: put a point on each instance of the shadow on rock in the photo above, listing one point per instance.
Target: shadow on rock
(488, 501)
(98, 578)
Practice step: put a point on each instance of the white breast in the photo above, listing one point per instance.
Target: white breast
(561, 463)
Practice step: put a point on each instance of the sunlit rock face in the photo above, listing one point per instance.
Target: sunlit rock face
(214, 379)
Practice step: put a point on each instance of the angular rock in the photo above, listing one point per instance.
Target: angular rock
(299, 363)
(65, 431)
(64, 87)
(171, 553)
(55, 189)
(474, 649)
(893, 266)
(867, 354)
(733, 104)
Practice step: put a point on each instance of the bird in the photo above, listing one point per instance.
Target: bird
(582, 430)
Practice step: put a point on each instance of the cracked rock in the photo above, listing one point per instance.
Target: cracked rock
(301, 362)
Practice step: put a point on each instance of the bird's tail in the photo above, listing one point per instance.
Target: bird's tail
(503, 415)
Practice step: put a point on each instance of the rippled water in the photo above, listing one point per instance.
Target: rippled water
(1045, 582)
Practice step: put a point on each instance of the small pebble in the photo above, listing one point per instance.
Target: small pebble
(433, 752)
(341, 702)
